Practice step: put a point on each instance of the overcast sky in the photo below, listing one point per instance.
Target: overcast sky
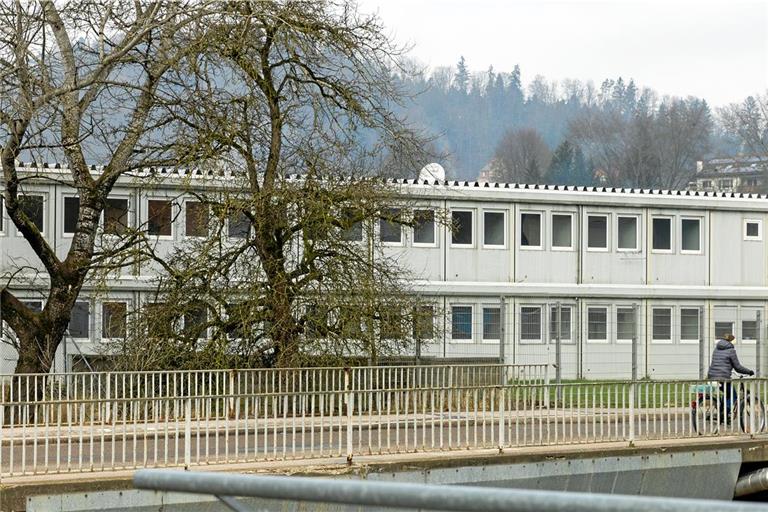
(717, 50)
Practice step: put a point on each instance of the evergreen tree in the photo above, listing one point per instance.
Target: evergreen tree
(461, 79)
(569, 166)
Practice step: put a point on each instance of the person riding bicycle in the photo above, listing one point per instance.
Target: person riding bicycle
(724, 362)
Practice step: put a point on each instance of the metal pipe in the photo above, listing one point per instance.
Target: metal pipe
(751, 483)
(416, 496)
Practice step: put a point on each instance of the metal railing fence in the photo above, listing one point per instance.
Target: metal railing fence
(134, 420)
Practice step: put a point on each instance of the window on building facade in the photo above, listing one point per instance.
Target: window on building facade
(750, 182)
(625, 324)
(562, 231)
(238, 225)
(197, 218)
(723, 328)
(597, 232)
(491, 323)
(195, 319)
(662, 234)
(597, 323)
(494, 229)
(689, 324)
(354, 230)
(690, 235)
(749, 330)
(706, 184)
(32, 206)
(725, 184)
(461, 323)
(33, 305)
(159, 217)
(424, 322)
(392, 325)
(113, 319)
(565, 323)
(461, 228)
(530, 323)
(156, 321)
(424, 227)
(71, 211)
(530, 230)
(79, 321)
(662, 324)
(391, 231)
(753, 229)
(627, 233)
(115, 216)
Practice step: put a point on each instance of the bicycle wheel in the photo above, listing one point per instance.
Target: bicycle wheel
(705, 417)
(747, 411)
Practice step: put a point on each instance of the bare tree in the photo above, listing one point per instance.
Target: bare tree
(522, 156)
(633, 141)
(747, 122)
(80, 81)
(284, 89)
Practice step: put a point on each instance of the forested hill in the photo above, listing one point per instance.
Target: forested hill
(624, 134)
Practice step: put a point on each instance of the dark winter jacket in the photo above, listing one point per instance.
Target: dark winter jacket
(724, 361)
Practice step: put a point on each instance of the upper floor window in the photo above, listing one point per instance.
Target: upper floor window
(197, 218)
(530, 230)
(662, 234)
(597, 232)
(424, 227)
(562, 230)
(494, 229)
(461, 233)
(753, 229)
(353, 231)
(159, 217)
(239, 225)
(390, 230)
(32, 206)
(690, 235)
(627, 233)
(71, 212)
(115, 216)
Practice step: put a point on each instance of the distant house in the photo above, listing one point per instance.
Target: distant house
(739, 174)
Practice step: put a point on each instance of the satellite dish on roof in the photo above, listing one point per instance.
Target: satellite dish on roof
(433, 171)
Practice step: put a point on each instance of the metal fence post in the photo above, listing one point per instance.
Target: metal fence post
(502, 341)
(758, 348)
(108, 408)
(634, 343)
(633, 384)
(558, 354)
(502, 408)
(702, 346)
(188, 432)
(349, 400)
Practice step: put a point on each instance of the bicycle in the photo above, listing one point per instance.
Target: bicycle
(707, 413)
